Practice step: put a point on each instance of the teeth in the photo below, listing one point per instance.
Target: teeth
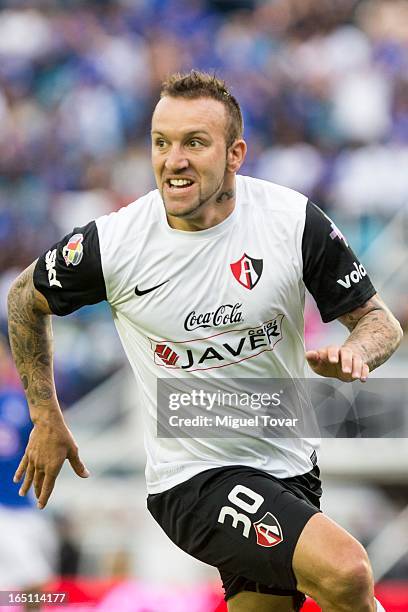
(180, 182)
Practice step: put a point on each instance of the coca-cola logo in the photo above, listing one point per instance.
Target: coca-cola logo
(223, 315)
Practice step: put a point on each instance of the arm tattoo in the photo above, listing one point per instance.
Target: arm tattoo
(225, 195)
(374, 331)
(30, 336)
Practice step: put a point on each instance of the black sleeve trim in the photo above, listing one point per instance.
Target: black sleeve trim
(331, 271)
(348, 306)
(70, 274)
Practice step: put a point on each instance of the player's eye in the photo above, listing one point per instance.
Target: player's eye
(160, 143)
(195, 143)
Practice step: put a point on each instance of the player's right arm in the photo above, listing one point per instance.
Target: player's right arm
(50, 441)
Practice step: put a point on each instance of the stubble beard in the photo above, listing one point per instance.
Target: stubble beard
(185, 213)
(201, 200)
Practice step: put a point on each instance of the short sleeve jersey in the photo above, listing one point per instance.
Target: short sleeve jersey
(226, 302)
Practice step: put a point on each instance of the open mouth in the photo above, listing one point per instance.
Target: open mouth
(179, 184)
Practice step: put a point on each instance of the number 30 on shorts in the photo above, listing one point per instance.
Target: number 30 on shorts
(239, 519)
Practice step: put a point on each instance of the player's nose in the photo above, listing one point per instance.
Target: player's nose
(176, 159)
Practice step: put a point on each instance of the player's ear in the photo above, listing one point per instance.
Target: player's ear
(236, 155)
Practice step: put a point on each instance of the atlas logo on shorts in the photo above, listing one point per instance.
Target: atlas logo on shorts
(268, 531)
(73, 251)
(247, 271)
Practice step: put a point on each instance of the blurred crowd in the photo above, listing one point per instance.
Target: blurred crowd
(323, 86)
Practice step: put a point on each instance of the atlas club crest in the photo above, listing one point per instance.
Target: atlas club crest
(247, 271)
(268, 531)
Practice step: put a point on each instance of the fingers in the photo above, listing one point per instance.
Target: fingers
(21, 469)
(338, 362)
(47, 489)
(352, 365)
(31, 474)
(43, 458)
(77, 465)
(312, 356)
(38, 482)
(364, 373)
(45, 481)
(357, 367)
(329, 354)
(346, 360)
(28, 479)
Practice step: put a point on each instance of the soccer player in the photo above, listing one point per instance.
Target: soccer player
(206, 277)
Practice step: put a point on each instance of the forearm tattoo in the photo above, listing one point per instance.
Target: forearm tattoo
(30, 336)
(374, 331)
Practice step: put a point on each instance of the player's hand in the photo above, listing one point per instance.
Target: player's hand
(50, 443)
(338, 362)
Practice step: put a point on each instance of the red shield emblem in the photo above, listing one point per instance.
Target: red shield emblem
(247, 271)
(268, 531)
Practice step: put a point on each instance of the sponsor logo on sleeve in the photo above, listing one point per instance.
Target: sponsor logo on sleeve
(336, 233)
(50, 261)
(73, 251)
(354, 277)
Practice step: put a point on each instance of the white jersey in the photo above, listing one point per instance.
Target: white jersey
(222, 303)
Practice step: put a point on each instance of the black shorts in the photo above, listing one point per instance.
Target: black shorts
(243, 521)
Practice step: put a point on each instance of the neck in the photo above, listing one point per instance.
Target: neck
(210, 219)
(209, 214)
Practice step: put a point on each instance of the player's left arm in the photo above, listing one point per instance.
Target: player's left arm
(342, 289)
(374, 336)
